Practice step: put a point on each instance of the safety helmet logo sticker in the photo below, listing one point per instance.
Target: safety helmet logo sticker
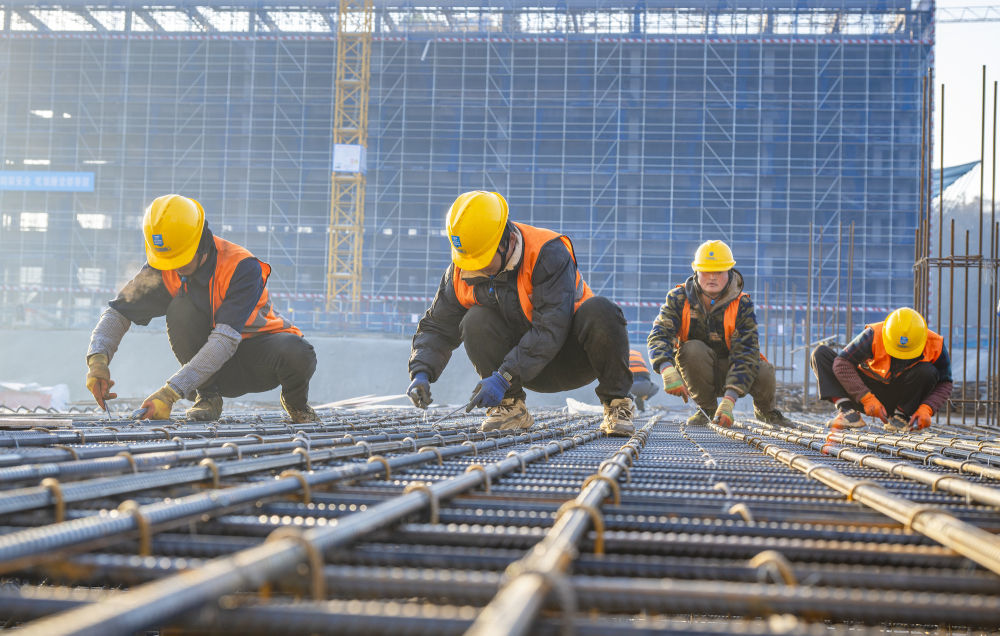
(456, 240)
(157, 240)
(903, 340)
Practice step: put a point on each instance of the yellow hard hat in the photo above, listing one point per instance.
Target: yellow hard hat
(713, 256)
(172, 229)
(475, 226)
(904, 333)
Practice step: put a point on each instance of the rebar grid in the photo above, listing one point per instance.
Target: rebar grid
(377, 522)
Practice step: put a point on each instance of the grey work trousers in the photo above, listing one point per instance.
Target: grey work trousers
(704, 373)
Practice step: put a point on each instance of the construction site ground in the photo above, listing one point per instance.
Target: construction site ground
(376, 521)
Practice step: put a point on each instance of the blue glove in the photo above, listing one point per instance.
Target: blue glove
(419, 390)
(488, 392)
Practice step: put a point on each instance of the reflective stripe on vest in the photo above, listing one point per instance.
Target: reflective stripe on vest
(877, 367)
(534, 238)
(636, 363)
(263, 318)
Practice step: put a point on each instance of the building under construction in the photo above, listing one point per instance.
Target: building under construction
(639, 129)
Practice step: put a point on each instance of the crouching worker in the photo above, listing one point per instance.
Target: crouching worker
(221, 325)
(704, 342)
(514, 295)
(896, 371)
(642, 387)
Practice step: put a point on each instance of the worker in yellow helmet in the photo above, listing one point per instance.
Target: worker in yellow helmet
(704, 341)
(514, 296)
(896, 371)
(222, 327)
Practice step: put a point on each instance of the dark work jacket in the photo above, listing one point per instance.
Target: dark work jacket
(554, 283)
(744, 357)
(146, 297)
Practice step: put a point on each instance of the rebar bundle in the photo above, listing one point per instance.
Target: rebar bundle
(377, 521)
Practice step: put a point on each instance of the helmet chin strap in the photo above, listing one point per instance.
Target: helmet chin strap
(504, 248)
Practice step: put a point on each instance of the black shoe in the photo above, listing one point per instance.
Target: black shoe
(639, 401)
(898, 423)
(774, 417)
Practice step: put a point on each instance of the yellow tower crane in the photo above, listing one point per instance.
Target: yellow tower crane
(350, 139)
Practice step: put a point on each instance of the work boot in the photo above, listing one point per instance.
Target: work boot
(640, 402)
(774, 417)
(898, 423)
(207, 408)
(511, 414)
(846, 417)
(299, 414)
(618, 418)
(698, 419)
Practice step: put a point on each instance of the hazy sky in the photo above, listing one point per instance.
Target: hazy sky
(960, 51)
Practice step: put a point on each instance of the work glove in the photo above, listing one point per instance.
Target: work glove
(673, 384)
(874, 408)
(419, 390)
(158, 405)
(724, 413)
(921, 418)
(99, 380)
(489, 392)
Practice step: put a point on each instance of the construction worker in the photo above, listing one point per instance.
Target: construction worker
(514, 295)
(704, 342)
(642, 387)
(221, 325)
(897, 371)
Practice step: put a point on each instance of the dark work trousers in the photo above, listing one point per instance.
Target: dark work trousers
(596, 348)
(642, 386)
(259, 364)
(704, 373)
(904, 394)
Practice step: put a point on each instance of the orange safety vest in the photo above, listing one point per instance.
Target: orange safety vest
(636, 363)
(535, 238)
(728, 321)
(877, 367)
(263, 318)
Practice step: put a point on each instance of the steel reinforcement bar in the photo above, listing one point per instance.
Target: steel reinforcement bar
(516, 605)
(26, 547)
(163, 600)
(931, 521)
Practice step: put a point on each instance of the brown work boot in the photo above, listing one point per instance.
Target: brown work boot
(510, 414)
(299, 414)
(698, 419)
(618, 418)
(207, 408)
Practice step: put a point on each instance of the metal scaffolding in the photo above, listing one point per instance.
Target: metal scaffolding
(637, 130)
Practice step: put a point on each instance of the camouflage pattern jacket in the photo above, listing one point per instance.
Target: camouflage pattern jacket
(744, 358)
